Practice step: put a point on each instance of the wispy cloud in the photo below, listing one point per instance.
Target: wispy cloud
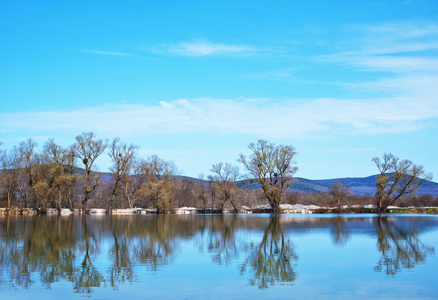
(106, 52)
(394, 47)
(203, 48)
(400, 58)
(387, 63)
(395, 38)
(274, 74)
(263, 117)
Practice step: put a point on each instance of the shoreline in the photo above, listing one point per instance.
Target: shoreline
(285, 208)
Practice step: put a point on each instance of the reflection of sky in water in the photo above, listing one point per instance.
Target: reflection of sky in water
(199, 257)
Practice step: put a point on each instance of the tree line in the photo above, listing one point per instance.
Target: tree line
(59, 177)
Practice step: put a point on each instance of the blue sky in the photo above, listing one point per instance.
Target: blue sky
(196, 81)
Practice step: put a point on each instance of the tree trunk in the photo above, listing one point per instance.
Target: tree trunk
(275, 207)
(110, 211)
(59, 200)
(84, 201)
(222, 207)
(235, 207)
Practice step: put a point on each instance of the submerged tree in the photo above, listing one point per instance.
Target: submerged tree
(339, 190)
(159, 186)
(32, 172)
(273, 167)
(225, 176)
(9, 174)
(87, 148)
(59, 161)
(123, 157)
(397, 178)
(201, 192)
(212, 190)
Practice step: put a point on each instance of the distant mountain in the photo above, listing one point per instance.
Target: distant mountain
(366, 185)
(358, 185)
(361, 186)
(299, 185)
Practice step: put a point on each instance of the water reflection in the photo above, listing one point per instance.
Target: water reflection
(400, 248)
(91, 252)
(87, 275)
(340, 235)
(222, 241)
(271, 260)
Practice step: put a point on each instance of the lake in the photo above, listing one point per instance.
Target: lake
(219, 257)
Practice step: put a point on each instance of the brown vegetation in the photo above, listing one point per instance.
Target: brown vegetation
(60, 177)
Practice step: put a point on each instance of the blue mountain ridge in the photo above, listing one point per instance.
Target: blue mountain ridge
(360, 186)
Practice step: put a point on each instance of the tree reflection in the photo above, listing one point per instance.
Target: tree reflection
(87, 276)
(31, 247)
(121, 269)
(90, 252)
(271, 261)
(400, 248)
(157, 241)
(222, 240)
(339, 233)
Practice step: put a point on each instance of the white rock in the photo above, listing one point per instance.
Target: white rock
(66, 211)
(52, 211)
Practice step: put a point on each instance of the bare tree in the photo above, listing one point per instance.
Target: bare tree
(10, 162)
(123, 157)
(212, 190)
(160, 184)
(225, 176)
(202, 192)
(396, 179)
(88, 149)
(133, 183)
(273, 167)
(30, 162)
(339, 190)
(70, 176)
(57, 159)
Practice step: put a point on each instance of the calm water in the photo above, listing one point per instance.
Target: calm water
(219, 257)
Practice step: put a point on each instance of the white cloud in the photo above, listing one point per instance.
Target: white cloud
(399, 57)
(275, 74)
(400, 44)
(106, 52)
(311, 118)
(386, 63)
(396, 38)
(203, 48)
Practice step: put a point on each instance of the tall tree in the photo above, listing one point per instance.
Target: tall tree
(122, 157)
(397, 178)
(70, 176)
(212, 190)
(273, 167)
(10, 163)
(58, 160)
(160, 182)
(133, 183)
(339, 189)
(225, 176)
(30, 166)
(202, 192)
(88, 148)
